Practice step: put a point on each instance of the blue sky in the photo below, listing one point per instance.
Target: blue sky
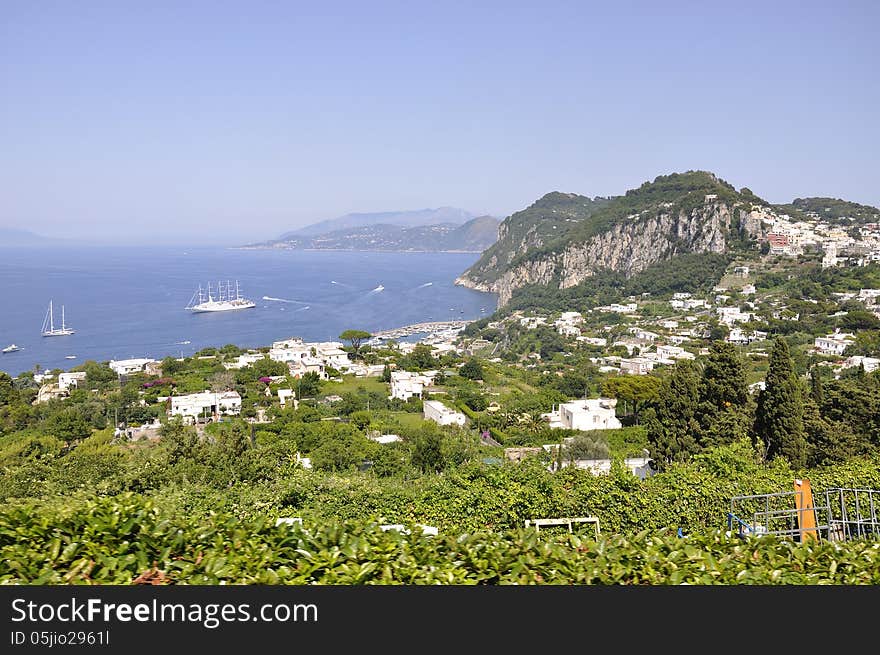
(169, 121)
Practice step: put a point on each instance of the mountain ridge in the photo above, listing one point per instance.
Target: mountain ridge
(562, 239)
(408, 218)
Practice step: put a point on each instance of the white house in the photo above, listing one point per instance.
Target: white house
(244, 360)
(301, 366)
(287, 394)
(594, 341)
(673, 352)
(628, 308)
(405, 384)
(441, 414)
(206, 404)
(742, 338)
(590, 414)
(636, 366)
(129, 366)
(748, 289)
(67, 380)
(531, 322)
(834, 344)
(731, 315)
(568, 330)
(870, 364)
(643, 334)
(386, 438)
(327, 353)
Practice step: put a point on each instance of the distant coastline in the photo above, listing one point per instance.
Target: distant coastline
(452, 252)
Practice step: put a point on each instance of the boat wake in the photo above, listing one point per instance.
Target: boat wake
(426, 284)
(378, 289)
(295, 302)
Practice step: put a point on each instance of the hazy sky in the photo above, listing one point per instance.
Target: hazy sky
(230, 121)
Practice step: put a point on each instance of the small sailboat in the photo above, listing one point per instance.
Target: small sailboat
(11, 348)
(49, 329)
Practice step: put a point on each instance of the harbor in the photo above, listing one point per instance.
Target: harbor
(431, 328)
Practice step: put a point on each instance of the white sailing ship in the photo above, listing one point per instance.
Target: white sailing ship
(49, 329)
(225, 300)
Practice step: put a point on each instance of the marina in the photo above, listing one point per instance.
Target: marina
(430, 328)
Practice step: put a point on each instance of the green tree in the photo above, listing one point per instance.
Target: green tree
(386, 373)
(779, 417)
(472, 369)
(672, 423)
(427, 453)
(70, 425)
(635, 390)
(8, 392)
(724, 406)
(422, 357)
(355, 338)
(181, 440)
(309, 385)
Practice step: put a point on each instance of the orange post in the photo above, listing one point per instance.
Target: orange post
(805, 511)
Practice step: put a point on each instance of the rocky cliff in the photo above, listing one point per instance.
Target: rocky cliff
(695, 218)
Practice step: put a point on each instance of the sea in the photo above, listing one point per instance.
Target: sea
(126, 302)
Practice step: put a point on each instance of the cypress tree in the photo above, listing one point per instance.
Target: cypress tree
(779, 418)
(725, 403)
(672, 425)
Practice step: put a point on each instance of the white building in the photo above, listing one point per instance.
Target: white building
(68, 380)
(328, 353)
(731, 315)
(406, 385)
(207, 404)
(244, 360)
(594, 341)
(591, 414)
(636, 366)
(834, 344)
(129, 366)
(531, 322)
(681, 295)
(441, 414)
(284, 395)
(743, 338)
(386, 438)
(643, 334)
(299, 367)
(567, 330)
(673, 352)
(748, 289)
(629, 308)
(688, 304)
(870, 364)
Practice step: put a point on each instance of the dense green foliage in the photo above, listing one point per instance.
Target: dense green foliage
(833, 210)
(779, 416)
(129, 539)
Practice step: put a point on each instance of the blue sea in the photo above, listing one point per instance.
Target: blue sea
(130, 302)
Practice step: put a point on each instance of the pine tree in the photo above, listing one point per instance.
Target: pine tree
(672, 425)
(779, 418)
